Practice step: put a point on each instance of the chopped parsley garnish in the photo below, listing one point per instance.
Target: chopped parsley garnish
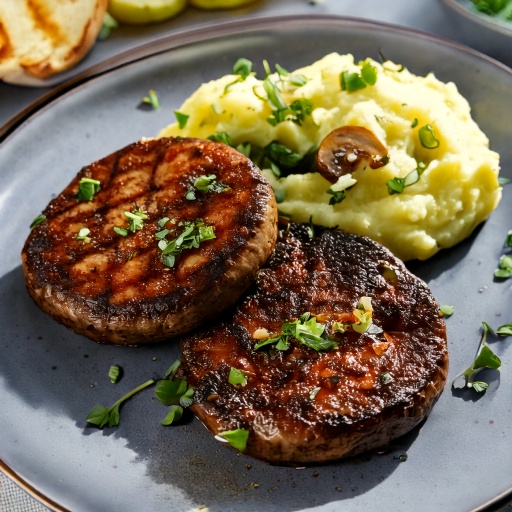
(275, 156)
(305, 330)
(208, 182)
(296, 80)
(397, 185)
(151, 99)
(192, 235)
(352, 82)
(504, 270)
(428, 137)
(222, 137)
(485, 358)
(171, 371)
(101, 416)
(242, 67)
(136, 220)
(244, 148)
(338, 189)
(83, 235)
(337, 196)
(363, 319)
(504, 330)
(281, 155)
(186, 400)
(175, 413)
(171, 390)
(368, 72)
(38, 220)
(237, 377)
(109, 24)
(273, 87)
(87, 188)
(236, 438)
(498, 8)
(386, 378)
(311, 228)
(181, 118)
(204, 184)
(446, 310)
(295, 112)
(387, 272)
(114, 373)
(121, 231)
(340, 326)
(364, 313)
(300, 109)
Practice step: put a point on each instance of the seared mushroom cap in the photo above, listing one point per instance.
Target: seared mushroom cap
(346, 149)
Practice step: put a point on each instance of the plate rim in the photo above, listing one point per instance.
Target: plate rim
(207, 31)
(9, 473)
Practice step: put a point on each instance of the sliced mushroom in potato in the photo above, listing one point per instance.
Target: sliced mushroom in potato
(347, 149)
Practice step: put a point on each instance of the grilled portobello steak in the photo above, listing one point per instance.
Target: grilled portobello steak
(135, 261)
(368, 374)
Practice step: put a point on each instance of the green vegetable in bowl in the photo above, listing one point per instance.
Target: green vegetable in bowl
(496, 8)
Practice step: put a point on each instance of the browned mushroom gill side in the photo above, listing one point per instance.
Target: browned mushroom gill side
(347, 149)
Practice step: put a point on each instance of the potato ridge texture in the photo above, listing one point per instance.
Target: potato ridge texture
(304, 406)
(116, 289)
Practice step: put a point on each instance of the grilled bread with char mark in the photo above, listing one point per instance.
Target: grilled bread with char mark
(302, 405)
(40, 38)
(119, 289)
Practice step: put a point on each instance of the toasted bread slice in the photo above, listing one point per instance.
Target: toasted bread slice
(40, 38)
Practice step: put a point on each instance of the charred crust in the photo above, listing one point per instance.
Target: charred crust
(152, 176)
(353, 409)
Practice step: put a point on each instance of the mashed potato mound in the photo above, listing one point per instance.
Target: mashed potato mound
(456, 191)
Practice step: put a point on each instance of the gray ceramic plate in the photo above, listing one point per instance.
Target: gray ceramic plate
(460, 458)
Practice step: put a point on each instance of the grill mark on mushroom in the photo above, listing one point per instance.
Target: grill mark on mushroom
(116, 289)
